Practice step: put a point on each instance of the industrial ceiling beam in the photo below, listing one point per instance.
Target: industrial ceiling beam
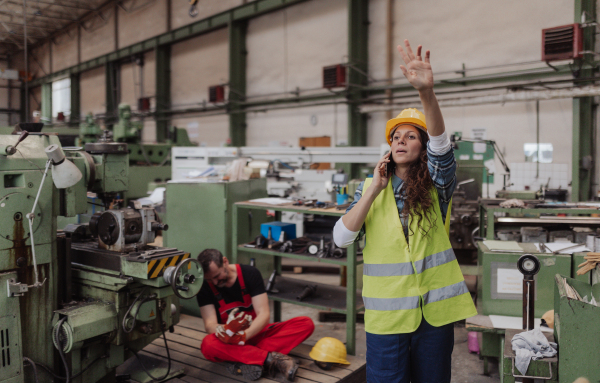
(221, 20)
(63, 5)
(45, 27)
(583, 114)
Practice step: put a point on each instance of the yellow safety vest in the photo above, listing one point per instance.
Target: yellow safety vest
(398, 280)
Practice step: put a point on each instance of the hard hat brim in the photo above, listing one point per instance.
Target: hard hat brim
(391, 124)
(322, 358)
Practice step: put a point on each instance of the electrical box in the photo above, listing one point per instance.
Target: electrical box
(562, 43)
(334, 76)
(216, 93)
(144, 104)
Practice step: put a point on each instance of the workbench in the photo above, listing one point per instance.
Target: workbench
(514, 218)
(344, 300)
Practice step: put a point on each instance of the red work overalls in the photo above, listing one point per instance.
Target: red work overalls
(281, 337)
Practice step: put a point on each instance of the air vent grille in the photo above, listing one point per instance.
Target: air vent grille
(216, 93)
(5, 347)
(334, 76)
(562, 43)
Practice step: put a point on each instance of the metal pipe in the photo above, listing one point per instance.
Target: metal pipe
(26, 63)
(537, 137)
(518, 96)
(389, 54)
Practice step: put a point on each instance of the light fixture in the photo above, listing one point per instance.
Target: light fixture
(64, 173)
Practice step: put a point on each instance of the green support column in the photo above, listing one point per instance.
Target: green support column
(237, 82)
(46, 117)
(163, 91)
(75, 101)
(583, 121)
(356, 72)
(112, 93)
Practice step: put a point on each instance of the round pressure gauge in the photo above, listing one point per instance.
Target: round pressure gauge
(313, 249)
(528, 264)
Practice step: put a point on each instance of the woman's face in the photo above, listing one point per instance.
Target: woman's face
(406, 144)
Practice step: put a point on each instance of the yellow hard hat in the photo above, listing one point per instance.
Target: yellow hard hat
(329, 350)
(410, 116)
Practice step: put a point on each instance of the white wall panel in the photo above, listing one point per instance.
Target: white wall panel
(131, 81)
(141, 21)
(285, 127)
(477, 33)
(197, 64)
(288, 49)
(98, 37)
(64, 50)
(93, 91)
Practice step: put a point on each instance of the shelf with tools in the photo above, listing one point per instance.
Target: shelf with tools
(334, 261)
(323, 297)
(344, 300)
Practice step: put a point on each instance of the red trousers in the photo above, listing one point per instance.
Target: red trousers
(281, 337)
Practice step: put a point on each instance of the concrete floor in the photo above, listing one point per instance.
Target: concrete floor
(466, 367)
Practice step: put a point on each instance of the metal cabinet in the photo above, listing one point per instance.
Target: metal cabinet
(499, 289)
(199, 216)
(344, 300)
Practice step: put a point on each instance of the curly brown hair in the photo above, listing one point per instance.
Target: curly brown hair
(417, 189)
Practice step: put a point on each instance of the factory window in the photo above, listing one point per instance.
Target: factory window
(61, 99)
(541, 153)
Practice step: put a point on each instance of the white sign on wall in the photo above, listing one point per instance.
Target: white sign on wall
(510, 281)
(9, 74)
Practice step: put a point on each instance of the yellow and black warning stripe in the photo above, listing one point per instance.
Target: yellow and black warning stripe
(157, 267)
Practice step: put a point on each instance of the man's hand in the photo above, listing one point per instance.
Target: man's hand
(417, 71)
(239, 322)
(229, 337)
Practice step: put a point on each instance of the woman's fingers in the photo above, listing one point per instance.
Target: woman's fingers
(419, 52)
(427, 55)
(403, 54)
(409, 51)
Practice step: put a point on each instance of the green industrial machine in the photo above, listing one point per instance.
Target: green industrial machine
(204, 221)
(148, 162)
(576, 330)
(81, 301)
(89, 131)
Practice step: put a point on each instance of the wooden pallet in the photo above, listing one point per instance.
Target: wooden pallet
(184, 346)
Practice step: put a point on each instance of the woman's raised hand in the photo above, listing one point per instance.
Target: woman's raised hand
(417, 70)
(380, 173)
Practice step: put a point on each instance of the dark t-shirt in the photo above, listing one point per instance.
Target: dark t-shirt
(254, 285)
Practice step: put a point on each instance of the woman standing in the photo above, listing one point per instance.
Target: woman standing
(413, 288)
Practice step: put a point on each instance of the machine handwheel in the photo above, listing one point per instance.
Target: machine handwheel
(186, 278)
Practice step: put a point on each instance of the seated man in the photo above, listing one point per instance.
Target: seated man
(235, 309)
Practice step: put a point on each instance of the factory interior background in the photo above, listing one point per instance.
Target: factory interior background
(275, 77)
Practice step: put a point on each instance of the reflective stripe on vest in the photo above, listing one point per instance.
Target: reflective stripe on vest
(406, 268)
(398, 280)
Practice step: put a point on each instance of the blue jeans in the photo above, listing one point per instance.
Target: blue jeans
(418, 357)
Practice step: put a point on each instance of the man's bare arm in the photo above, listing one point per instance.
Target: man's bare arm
(263, 315)
(209, 315)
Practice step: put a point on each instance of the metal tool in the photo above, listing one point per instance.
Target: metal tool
(529, 266)
(309, 291)
(271, 283)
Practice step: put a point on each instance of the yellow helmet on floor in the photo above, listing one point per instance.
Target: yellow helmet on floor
(410, 116)
(329, 350)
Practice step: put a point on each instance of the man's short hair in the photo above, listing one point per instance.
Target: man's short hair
(210, 255)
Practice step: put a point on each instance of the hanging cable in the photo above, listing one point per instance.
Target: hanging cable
(59, 347)
(49, 370)
(124, 324)
(32, 364)
(168, 354)
(30, 218)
